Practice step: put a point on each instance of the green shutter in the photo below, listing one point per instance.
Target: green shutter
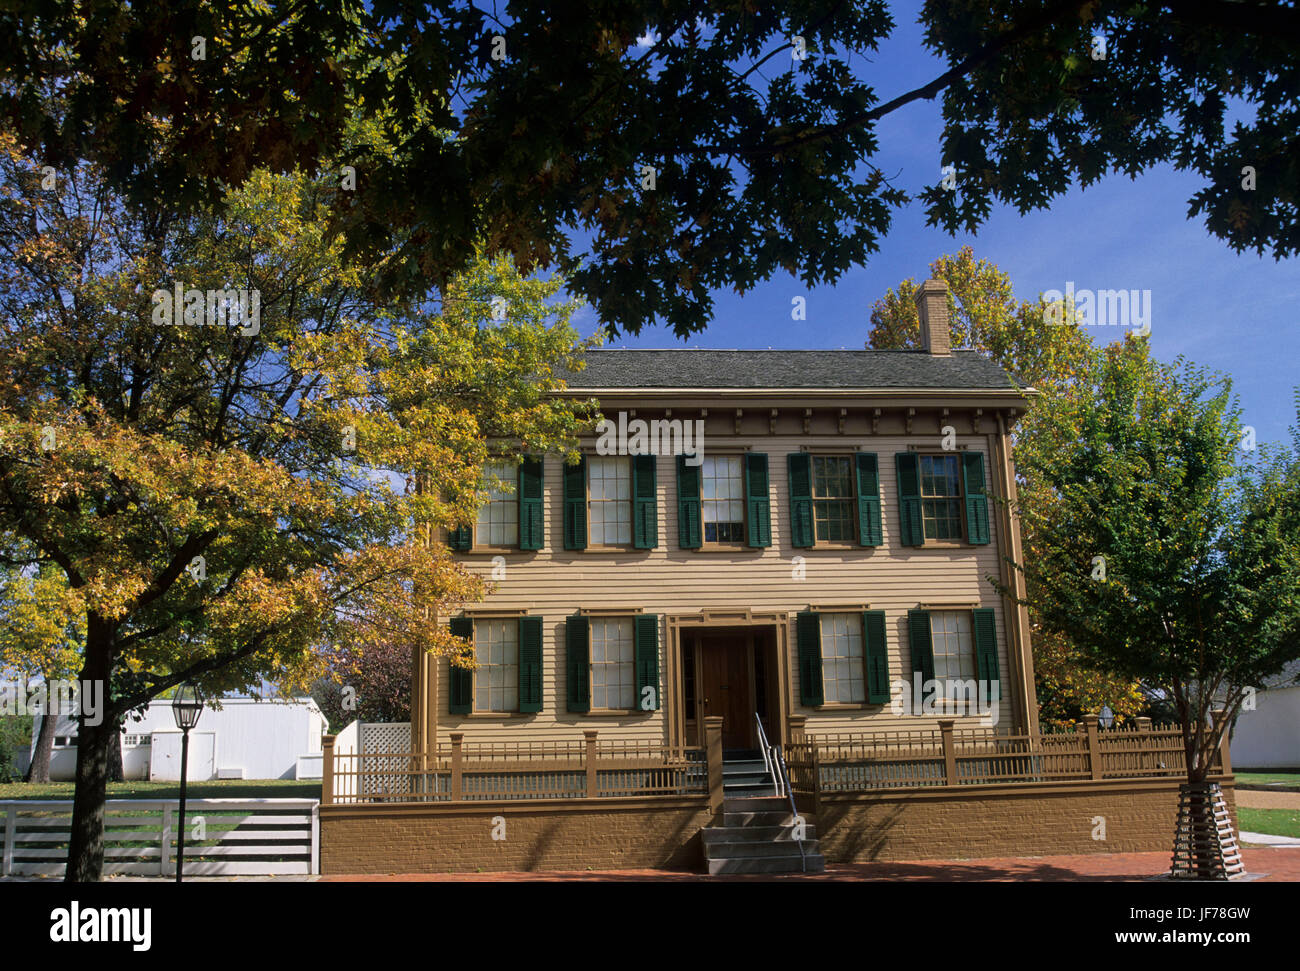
(689, 532)
(869, 533)
(808, 640)
(577, 665)
(647, 662)
(875, 652)
(758, 502)
(532, 512)
(911, 529)
(645, 503)
(918, 632)
(799, 466)
(977, 503)
(460, 687)
(530, 664)
(986, 650)
(460, 539)
(575, 505)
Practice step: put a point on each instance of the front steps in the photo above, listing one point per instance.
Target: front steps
(745, 776)
(757, 836)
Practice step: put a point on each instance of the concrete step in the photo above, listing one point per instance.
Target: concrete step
(747, 792)
(757, 819)
(756, 833)
(747, 849)
(755, 804)
(814, 863)
(747, 765)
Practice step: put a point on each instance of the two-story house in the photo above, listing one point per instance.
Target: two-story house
(808, 549)
(804, 535)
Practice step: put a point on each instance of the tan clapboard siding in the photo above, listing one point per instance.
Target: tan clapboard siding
(555, 583)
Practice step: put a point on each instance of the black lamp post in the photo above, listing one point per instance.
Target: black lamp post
(186, 706)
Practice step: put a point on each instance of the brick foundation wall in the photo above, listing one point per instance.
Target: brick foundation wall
(940, 823)
(990, 821)
(538, 836)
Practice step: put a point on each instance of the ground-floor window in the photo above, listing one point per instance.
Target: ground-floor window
(842, 669)
(613, 673)
(953, 644)
(496, 680)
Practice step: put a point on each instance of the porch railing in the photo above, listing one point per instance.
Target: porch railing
(590, 768)
(946, 756)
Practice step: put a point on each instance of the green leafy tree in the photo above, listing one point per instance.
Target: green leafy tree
(41, 633)
(221, 495)
(1198, 597)
(738, 141)
(1054, 361)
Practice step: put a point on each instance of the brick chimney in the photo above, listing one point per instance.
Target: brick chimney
(932, 308)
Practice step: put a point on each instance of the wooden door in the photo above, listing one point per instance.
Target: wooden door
(725, 687)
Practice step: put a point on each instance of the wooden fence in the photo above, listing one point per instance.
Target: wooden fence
(222, 836)
(496, 771)
(945, 756)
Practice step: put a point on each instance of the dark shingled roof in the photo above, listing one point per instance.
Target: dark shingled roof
(866, 370)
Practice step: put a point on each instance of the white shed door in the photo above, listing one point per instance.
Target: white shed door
(165, 757)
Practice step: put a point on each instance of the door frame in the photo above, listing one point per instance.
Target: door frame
(679, 624)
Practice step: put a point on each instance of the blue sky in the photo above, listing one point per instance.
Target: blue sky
(1235, 313)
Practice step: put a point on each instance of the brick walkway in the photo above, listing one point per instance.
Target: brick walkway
(1277, 865)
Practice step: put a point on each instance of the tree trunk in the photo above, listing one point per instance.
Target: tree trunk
(115, 771)
(86, 846)
(86, 842)
(39, 770)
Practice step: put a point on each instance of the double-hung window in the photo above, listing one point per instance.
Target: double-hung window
(722, 499)
(609, 500)
(613, 663)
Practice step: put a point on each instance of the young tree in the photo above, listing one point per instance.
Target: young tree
(219, 477)
(41, 633)
(697, 145)
(1053, 360)
(372, 685)
(1198, 595)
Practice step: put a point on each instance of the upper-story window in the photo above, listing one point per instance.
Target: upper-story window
(941, 496)
(498, 518)
(609, 500)
(834, 501)
(514, 515)
(722, 499)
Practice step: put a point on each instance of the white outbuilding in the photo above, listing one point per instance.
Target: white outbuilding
(246, 738)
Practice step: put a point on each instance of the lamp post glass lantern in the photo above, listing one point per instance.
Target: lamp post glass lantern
(187, 705)
(1106, 717)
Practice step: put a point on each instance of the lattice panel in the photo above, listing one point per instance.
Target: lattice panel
(382, 771)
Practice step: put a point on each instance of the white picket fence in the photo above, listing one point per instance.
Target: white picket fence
(222, 836)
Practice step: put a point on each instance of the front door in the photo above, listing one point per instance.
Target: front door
(725, 686)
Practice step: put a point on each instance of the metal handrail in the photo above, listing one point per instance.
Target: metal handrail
(774, 761)
(769, 763)
(794, 810)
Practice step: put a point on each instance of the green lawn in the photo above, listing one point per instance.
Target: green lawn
(225, 789)
(1274, 822)
(1270, 778)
